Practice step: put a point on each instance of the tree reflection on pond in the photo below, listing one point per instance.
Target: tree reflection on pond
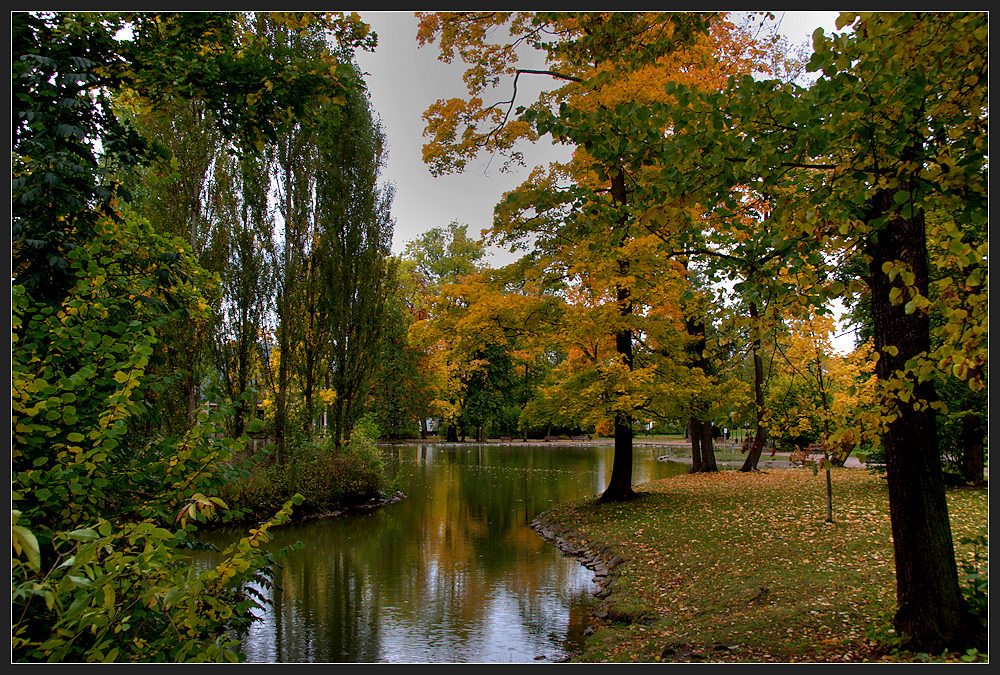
(453, 573)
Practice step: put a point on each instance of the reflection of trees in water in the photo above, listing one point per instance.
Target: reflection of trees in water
(452, 573)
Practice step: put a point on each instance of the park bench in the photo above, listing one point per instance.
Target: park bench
(577, 438)
(505, 438)
(551, 438)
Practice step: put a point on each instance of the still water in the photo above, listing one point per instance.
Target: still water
(452, 573)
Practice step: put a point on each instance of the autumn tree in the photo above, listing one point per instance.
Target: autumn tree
(437, 258)
(579, 218)
(893, 128)
(476, 336)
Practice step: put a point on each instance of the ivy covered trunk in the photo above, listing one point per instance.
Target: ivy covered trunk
(931, 612)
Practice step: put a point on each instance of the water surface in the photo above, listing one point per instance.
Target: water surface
(452, 573)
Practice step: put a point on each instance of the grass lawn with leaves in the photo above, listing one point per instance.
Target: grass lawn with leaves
(733, 566)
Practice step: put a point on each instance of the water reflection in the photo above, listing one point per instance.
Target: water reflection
(453, 573)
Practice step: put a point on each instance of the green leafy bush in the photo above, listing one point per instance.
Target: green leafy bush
(102, 510)
(975, 577)
(325, 477)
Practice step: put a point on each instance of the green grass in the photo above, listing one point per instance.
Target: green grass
(699, 549)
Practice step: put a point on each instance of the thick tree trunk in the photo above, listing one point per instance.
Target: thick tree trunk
(694, 433)
(931, 612)
(620, 486)
(760, 435)
(707, 448)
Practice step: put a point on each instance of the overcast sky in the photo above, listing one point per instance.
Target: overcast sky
(404, 80)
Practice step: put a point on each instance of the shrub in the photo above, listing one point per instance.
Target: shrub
(103, 507)
(975, 577)
(325, 477)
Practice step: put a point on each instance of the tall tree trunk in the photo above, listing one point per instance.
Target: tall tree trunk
(694, 433)
(620, 485)
(281, 397)
(707, 449)
(760, 435)
(973, 460)
(931, 614)
(702, 452)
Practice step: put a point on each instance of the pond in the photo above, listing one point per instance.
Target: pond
(452, 573)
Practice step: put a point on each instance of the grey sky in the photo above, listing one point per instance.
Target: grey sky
(404, 80)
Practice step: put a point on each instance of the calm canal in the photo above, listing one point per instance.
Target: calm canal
(453, 573)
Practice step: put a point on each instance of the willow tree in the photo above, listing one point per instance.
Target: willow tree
(579, 218)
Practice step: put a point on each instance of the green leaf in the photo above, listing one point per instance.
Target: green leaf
(24, 540)
(84, 534)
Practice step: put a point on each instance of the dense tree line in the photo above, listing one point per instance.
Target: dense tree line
(184, 187)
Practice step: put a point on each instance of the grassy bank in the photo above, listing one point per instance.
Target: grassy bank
(731, 566)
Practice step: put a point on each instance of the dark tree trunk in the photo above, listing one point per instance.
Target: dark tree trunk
(620, 486)
(694, 433)
(973, 460)
(451, 436)
(760, 435)
(702, 452)
(932, 613)
(707, 449)
(281, 395)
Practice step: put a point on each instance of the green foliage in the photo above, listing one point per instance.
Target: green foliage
(327, 479)
(83, 374)
(104, 498)
(445, 254)
(96, 573)
(975, 576)
(123, 592)
(67, 66)
(401, 389)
